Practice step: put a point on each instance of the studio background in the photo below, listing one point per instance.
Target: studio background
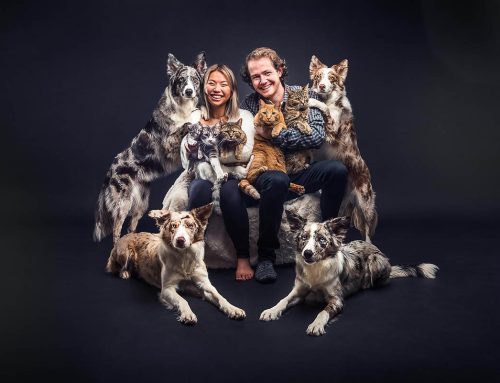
(80, 79)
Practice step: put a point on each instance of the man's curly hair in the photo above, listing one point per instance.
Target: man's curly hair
(258, 53)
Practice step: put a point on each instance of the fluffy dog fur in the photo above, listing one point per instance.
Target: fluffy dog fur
(173, 256)
(341, 144)
(153, 152)
(334, 270)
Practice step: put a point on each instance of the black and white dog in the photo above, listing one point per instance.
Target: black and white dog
(333, 270)
(154, 152)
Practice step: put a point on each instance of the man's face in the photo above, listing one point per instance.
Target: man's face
(265, 78)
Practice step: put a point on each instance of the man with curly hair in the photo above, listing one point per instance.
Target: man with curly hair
(265, 71)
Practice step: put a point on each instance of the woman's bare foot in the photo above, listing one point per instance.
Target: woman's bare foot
(244, 271)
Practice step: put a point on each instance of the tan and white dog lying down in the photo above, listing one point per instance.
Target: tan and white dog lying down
(171, 257)
(334, 270)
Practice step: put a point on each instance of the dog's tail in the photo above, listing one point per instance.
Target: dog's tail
(424, 270)
(364, 215)
(103, 218)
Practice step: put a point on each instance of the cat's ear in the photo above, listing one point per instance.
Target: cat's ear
(341, 70)
(239, 122)
(262, 103)
(223, 120)
(314, 66)
(305, 88)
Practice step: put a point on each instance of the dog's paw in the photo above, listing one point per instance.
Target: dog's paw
(188, 318)
(234, 312)
(124, 274)
(315, 329)
(269, 314)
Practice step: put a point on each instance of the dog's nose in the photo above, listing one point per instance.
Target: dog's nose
(189, 92)
(180, 241)
(308, 254)
(322, 86)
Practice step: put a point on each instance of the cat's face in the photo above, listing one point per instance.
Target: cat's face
(268, 113)
(231, 132)
(194, 131)
(210, 135)
(298, 99)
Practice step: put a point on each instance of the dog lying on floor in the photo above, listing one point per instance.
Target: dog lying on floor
(327, 266)
(170, 257)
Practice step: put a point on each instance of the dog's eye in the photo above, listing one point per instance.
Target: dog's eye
(174, 225)
(304, 237)
(189, 225)
(322, 241)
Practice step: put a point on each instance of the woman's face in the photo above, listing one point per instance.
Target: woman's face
(218, 89)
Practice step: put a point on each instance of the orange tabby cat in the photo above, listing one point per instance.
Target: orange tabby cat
(266, 155)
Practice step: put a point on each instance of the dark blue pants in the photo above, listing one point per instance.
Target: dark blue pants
(330, 176)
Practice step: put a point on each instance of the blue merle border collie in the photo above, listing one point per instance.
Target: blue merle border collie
(154, 152)
(332, 270)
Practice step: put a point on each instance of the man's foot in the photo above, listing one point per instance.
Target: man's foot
(265, 272)
(244, 271)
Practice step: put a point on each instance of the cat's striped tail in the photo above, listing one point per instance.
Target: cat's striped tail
(424, 270)
(249, 189)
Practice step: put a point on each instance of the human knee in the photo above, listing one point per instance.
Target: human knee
(230, 194)
(274, 183)
(200, 193)
(335, 171)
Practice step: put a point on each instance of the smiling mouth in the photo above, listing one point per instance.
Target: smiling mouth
(216, 97)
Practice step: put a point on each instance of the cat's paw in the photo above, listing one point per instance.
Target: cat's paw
(224, 178)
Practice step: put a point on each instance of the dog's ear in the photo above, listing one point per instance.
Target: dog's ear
(203, 213)
(295, 221)
(172, 65)
(200, 64)
(341, 70)
(338, 227)
(314, 66)
(160, 216)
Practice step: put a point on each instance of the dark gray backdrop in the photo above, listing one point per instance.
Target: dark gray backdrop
(80, 79)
